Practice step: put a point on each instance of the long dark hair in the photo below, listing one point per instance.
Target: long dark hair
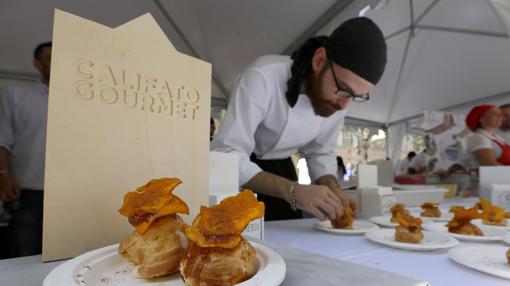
(302, 66)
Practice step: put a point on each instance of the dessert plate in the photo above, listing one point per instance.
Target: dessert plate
(105, 266)
(431, 240)
(383, 221)
(490, 234)
(487, 259)
(479, 222)
(358, 227)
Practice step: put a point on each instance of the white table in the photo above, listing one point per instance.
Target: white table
(434, 267)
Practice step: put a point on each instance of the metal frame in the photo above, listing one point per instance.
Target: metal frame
(414, 24)
(503, 95)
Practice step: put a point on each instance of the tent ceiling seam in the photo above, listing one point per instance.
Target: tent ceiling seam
(411, 14)
(396, 91)
(425, 12)
(462, 31)
(413, 25)
(396, 33)
(318, 24)
(188, 44)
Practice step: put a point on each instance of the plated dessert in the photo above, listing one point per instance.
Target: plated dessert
(409, 229)
(397, 208)
(158, 243)
(461, 222)
(491, 214)
(218, 254)
(210, 252)
(345, 221)
(430, 210)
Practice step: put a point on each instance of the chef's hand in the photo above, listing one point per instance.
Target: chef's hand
(9, 189)
(319, 201)
(347, 201)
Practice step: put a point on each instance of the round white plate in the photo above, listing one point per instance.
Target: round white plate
(488, 259)
(358, 227)
(105, 267)
(445, 216)
(383, 221)
(489, 234)
(431, 240)
(479, 222)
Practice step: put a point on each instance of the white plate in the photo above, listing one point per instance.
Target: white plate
(358, 227)
(445, 216)
(479, 222)
(488, 259)
(105, 267)
(383, 221)
(489, 234)
(431, 240)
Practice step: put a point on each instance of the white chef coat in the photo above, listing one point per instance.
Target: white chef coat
(505, 135)
(259, 120)
(23, 120)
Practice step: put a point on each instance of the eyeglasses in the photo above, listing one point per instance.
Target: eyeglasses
(340, 91)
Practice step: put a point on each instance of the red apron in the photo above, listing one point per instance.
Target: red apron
(504, 158)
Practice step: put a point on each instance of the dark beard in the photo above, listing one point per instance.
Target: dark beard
(313, 91)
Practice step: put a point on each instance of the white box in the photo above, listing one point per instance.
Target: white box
(500, 195)
(385, 172)
(376, 201)
(492, 175)
(416, 197)
(367, 176)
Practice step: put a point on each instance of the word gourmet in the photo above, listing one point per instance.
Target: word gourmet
(109, 85)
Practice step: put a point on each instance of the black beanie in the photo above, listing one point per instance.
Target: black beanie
(357, 45)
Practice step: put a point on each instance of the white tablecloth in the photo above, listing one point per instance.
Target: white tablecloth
(303, 269)
(434, 267)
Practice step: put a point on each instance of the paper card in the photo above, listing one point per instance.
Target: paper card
(124, 107)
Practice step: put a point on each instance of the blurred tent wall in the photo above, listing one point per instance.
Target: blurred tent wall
(443, 55)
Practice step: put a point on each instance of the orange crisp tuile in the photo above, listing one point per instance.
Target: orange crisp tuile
(409, 230)
(222, 224)
(345, 221)
(494, 215)
(409, 221)
(153, 200)
(483, 204)
(461, 222)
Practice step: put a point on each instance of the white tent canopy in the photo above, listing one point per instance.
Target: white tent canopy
(441, 53)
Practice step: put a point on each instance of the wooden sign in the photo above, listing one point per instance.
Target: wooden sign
(124, 107)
